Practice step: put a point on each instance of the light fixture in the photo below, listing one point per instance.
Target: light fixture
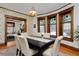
(33, 12)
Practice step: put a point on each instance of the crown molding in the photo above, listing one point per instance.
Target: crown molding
(13, 11)
(38, 14)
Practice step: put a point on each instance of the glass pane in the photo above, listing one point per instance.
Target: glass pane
(41, 28)
(41, 25)
(53, 26)
(10, 30)
(67, 25)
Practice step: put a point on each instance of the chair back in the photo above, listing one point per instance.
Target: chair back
(17, 42)
(24, 34)
(24, 46)
(56, 45)
(46, 35)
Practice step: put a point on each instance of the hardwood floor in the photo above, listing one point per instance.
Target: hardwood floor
(9, 44)
(62, 49)
(68, 51)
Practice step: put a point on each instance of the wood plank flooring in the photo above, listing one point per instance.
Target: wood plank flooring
(62, 49)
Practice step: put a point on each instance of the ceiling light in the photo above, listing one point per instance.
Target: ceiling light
(33, 12)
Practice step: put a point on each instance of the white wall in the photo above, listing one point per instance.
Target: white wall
(2, 27)
(30, 25)
(76, 15)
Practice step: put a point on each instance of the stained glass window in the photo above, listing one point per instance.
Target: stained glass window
(67, 25)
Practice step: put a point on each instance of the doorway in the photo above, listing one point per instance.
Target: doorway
(13, 25)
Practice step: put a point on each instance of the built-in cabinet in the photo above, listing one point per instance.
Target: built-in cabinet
(63, 24)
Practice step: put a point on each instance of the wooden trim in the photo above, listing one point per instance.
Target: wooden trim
(38, 28)
(15, 18)
(72, 24)
(48, 25)
(5, 31)
(25, 26)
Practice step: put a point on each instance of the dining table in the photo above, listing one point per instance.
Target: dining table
(39, 43)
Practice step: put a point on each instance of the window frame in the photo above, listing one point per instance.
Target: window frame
(64, 12)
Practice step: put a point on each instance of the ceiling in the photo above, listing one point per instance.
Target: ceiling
(41, 8)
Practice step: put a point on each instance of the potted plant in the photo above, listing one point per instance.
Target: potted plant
(76, 36)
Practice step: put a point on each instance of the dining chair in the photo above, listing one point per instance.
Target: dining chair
(24, 34)
(18, 49)
(25, 50)
(53, 51)
(46, 35)
(38, 34)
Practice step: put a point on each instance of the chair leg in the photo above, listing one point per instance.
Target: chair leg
(20, 53)
(17, 52)
(23, 54)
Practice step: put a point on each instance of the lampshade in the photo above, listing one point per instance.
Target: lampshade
(32, 12)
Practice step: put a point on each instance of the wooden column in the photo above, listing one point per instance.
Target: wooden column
(46, 24)
(57, 24)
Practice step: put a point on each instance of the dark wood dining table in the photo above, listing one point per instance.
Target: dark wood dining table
(37, 43)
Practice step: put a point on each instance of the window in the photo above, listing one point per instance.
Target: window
(41, 24)
(51, 25)
(67, 25)
(10, 27)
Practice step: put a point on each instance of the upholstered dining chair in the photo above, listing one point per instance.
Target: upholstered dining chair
(25, 50)
(24, 34)
(18, 49)
(46, 35)
(53, 51)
